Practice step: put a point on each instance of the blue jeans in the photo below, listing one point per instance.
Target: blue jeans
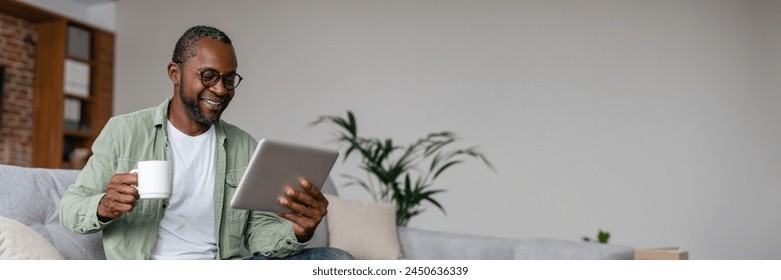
(324, 253)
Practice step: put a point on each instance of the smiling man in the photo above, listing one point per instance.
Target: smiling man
(207, 156)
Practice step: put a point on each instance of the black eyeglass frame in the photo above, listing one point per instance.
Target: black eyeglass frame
(219, 77)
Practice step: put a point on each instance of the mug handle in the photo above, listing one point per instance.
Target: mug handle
(134, 171)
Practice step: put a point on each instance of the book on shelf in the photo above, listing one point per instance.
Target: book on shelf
(79, 42)
(76, 78)
(72, 114)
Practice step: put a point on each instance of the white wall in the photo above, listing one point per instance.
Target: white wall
(655, 120)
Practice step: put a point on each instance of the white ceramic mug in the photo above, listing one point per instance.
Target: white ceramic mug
(154, 179)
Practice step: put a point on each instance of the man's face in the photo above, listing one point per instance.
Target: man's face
(206, 104)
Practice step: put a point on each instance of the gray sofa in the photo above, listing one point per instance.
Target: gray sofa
(31, 197)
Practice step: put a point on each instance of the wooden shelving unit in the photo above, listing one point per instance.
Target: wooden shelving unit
(51, 140)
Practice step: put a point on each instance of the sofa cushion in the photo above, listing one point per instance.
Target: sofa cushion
(32, 197)
(366, 230)
(19, 242)
(427, 244)
(549, 249)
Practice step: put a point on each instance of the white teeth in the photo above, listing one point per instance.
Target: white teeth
(212, 102)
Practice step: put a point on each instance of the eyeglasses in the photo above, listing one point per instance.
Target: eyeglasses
(210, 77)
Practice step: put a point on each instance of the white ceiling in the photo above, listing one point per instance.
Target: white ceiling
(100, 13)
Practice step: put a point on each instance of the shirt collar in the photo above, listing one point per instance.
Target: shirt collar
(161, 112)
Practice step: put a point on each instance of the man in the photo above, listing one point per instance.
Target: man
(208, 157)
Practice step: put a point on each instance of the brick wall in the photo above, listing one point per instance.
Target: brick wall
(17, 54)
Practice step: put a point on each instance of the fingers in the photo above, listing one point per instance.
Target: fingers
(125, 179)
(311, 203)
(308, 209)
(303, 223)
(311, 189)
(122, 188)
(113, 208)
(298, 208)
(120, 197)
(124, 194)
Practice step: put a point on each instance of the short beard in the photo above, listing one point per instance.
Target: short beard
(195, 110)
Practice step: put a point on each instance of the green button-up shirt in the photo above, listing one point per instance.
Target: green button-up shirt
(128, 139)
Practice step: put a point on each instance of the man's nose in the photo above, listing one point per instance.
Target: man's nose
(219, 88)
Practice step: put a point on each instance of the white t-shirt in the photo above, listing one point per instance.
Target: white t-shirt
(187, 228)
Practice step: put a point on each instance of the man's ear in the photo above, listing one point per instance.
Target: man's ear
(173, 73)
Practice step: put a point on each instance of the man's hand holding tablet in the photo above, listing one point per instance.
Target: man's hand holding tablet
(285, 178)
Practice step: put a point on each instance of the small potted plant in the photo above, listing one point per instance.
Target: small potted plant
(602, 237)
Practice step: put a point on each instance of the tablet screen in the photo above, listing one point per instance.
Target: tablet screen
(276, 164)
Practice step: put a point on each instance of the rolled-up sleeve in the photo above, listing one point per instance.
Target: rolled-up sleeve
(271, 236)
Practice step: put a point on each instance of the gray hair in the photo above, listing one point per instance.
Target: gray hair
(186, 46)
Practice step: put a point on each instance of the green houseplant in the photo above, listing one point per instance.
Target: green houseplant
(403, 175)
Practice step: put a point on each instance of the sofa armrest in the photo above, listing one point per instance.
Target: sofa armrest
(32, 197)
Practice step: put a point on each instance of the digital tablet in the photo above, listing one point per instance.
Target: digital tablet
(276, 164)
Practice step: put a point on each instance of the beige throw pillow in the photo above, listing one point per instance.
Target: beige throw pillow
(366, 230)
(20, 242)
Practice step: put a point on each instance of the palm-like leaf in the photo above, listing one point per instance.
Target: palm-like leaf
(395, 175)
